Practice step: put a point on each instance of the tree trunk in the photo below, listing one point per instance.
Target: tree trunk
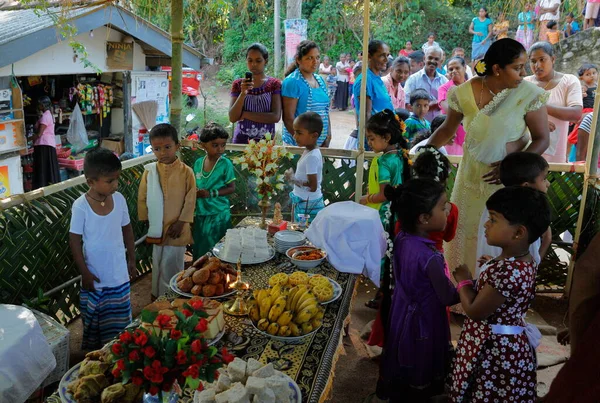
(176, 62)
(294, 9)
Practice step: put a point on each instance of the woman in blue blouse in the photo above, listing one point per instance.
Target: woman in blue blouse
(481, 28)
(304, 90)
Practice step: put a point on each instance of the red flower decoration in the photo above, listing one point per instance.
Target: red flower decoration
(125, 338)
(197, 346)
(197, 305)
(192, 371)
(167, 386)
(153, 390)
(137, 380)
(157, 371)
(201, 326)
(200, 387)
(134, 355)
(163, 321)
(187, 313)
(116, 373)
(140, 338)
(181, 357)
(227, 358)
(117, 349)
(175, 334)
(149, 351)
(121, 364)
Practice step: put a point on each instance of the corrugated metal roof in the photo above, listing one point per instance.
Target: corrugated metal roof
(18, 23)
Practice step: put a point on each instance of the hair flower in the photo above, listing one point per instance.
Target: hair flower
(480, 67)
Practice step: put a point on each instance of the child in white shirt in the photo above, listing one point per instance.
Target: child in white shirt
(102, 243)
(307, 199)
(517, 169)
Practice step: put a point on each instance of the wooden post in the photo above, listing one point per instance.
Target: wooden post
(360, 158)
(591, 168)
(176, 62)
(277, 37)
(127, 124)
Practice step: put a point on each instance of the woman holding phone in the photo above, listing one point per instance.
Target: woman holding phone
(255, 99)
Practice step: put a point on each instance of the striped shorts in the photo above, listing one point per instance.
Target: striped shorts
(104, 313)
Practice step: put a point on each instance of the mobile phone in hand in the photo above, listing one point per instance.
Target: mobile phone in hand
(248, 76)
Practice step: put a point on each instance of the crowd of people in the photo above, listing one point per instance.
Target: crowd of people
(492, 232)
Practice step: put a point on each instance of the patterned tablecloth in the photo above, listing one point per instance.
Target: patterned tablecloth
(310, 363)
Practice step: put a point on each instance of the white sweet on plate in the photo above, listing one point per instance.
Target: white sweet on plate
(250, 243)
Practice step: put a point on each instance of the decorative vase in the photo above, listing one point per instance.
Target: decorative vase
(167, 397)
(264, 205)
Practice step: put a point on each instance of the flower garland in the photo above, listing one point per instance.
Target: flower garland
(441, 167)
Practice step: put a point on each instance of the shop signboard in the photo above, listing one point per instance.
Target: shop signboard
(11, 180)
(119, 55)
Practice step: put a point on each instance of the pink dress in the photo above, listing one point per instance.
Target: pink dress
(398, 96)
(566, 93)
(456, 148)
(47, 138)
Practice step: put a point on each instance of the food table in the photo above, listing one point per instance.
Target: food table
(310, 362)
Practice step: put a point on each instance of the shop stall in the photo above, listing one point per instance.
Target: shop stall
(91, 99)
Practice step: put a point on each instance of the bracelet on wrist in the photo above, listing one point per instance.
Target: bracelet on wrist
(463, 284)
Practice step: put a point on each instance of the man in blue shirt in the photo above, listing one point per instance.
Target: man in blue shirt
(428, 79)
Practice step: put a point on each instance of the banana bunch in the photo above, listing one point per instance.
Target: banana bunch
(282, 311)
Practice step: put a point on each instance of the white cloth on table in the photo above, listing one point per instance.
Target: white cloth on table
(166, 262)
(353, 237)
(484, 249)
(26, 359)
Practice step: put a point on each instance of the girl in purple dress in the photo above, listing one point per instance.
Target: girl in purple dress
(417, 352)
(255, 103)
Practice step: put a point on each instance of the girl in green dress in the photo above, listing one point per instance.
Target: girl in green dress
(215, 180)
(385, 134)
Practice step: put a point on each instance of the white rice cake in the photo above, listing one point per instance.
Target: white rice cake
(238, 394)
(265, 372)
(237, 370)
(255, 385)
(223, 383)
(206, 396)
(252, 365)
(280, 387)
(265, 396)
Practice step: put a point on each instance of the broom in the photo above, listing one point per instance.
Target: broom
(146, 112)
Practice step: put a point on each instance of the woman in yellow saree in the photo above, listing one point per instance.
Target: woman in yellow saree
(498, 110)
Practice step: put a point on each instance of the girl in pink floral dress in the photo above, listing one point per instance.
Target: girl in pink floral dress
(495, 361)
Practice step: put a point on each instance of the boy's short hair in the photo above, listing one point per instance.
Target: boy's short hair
(522, 205)
(419, 94)
(551, 24)
(585, 67)
(164, 130)
(100, 162)
(213, 131)
(418, 56)
(310, 121)
(521, 167)
(437, 122)
(421, 135)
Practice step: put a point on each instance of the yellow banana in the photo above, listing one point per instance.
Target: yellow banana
(255, 294)
(284, 331)
(320, 314)
(307, 302)
(263, 324)
(273, 329)
(254, 313)
(285, 318)
(308, 295)
(275, 292)
(265, 306)
(302, 289)
(276, 309)
(306, 328)
(261, 295)
(315, 323)
(292, 293)
(305, 315)
(295, 329)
